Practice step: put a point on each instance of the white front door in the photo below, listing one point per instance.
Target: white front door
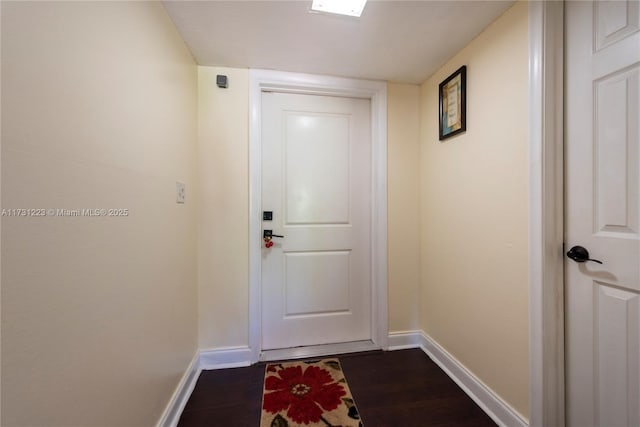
(316, 185)
(603, 213)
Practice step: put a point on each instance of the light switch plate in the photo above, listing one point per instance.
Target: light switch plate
(180, 192)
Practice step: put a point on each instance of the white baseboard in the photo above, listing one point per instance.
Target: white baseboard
(404, 339)
(219, 358)
(181, 395)
(500, 411)
(225, 357)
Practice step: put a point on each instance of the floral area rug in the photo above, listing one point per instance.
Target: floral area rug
(313, 394)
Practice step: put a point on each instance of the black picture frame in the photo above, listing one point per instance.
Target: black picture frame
(449, 126)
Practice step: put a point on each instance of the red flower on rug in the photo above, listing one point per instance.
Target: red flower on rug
(304, 393)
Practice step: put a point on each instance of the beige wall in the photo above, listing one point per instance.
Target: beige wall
(98, 314)
(223, 217)
(474, 213)
(0, 219)
(403, 224)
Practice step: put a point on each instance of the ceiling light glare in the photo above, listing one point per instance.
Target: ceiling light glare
(340, 7)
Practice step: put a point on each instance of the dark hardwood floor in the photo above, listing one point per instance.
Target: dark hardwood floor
(401, 388)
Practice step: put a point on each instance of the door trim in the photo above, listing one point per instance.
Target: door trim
(279, 81)
(546, 214)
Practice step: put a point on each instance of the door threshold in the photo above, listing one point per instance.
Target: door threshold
(317, 350)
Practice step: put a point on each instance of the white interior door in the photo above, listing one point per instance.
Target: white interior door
(603, 213)
(316, 182)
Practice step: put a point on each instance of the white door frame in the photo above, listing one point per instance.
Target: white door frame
(263, 80)
(546, 212)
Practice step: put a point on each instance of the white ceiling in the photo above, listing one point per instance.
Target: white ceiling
(400, 41)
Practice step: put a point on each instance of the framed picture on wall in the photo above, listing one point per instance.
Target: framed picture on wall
(453, 104)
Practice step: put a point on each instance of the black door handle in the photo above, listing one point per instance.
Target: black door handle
(580, 254)
(269, 234)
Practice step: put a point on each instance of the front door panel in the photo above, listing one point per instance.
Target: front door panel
(316, 178)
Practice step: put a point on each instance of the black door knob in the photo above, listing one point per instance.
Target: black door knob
(580, 254)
